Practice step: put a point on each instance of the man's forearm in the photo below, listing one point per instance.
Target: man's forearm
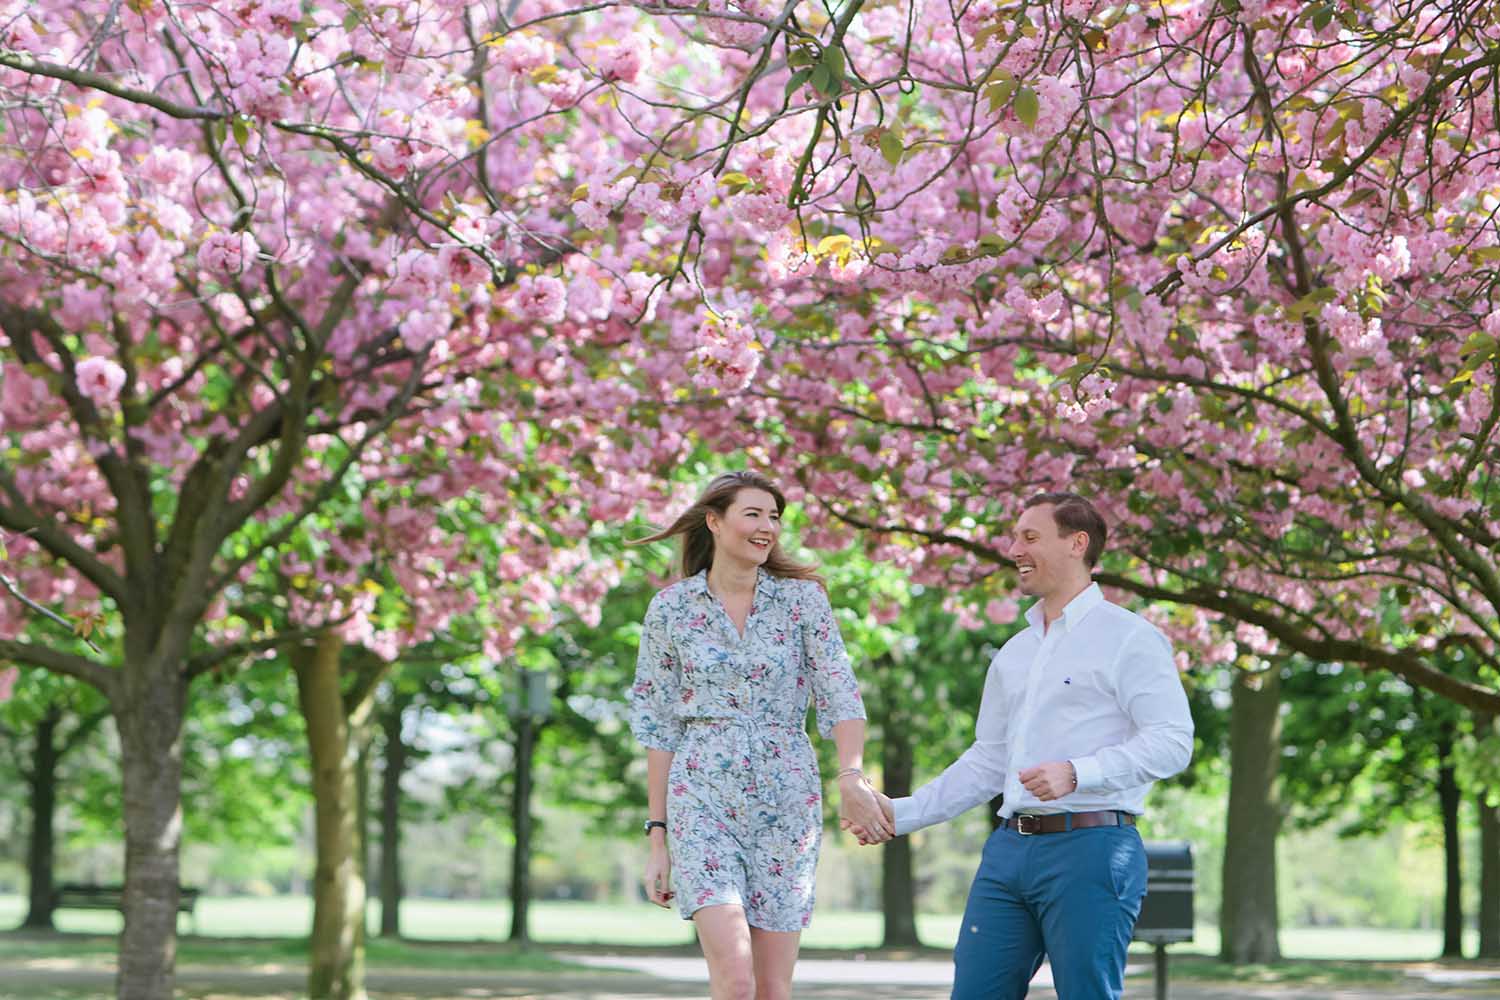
(977, 776)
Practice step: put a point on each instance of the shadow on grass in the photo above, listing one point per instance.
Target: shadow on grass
(1293, 972)
(286, 952)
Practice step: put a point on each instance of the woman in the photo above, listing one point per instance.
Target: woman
(729, 656)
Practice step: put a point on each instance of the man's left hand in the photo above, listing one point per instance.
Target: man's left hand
(1049, 781)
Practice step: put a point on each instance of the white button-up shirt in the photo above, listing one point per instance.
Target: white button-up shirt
(1099, 688)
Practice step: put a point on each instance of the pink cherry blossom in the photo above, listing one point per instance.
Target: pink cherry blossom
(541, 298)
(100, 379)
(226, 252)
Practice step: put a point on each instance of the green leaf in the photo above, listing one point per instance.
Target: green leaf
(802, 56)
(1484, 255)
(797, 80)
(1073, 373)
(987, 32)
(735, 181)
(822, 80)
(1480, 347)
(999, 93)
(241, 127)
(1321, 16)
(834, 58)
(864, 196)
(828, 78)
(892, 148)
(1027, 106)
(1312, 301)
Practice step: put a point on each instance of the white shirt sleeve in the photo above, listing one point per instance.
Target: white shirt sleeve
(1149, 691)
(977, 776)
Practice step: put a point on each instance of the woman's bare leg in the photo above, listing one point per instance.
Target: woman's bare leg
(725, 938)
(775, 954)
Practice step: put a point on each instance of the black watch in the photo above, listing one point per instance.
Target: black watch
(651, 824)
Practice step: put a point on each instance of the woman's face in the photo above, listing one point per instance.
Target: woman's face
(747, 530)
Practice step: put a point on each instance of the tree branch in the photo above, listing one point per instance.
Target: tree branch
(96, 81)
(29, 654)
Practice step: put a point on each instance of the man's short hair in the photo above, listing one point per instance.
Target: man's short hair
(1073, 513)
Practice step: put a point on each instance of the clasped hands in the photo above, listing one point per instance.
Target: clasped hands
(865, 812)
(869, 815)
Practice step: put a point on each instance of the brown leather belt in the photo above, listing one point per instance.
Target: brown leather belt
(1026, 823)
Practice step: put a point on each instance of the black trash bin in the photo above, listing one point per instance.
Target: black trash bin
(1167, 911)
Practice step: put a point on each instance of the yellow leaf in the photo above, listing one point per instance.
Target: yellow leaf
(544, 74)
(475, 132)
(831, 244)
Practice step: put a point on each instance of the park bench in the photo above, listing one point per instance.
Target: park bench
(1167, 911)
(77, 896)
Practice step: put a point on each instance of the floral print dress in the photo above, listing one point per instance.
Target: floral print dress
(744, 798)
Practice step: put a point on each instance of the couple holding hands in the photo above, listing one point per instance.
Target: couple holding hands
(1081, 712)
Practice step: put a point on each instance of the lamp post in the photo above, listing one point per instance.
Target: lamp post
(530, 709)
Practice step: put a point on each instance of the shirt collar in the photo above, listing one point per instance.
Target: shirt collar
(1087, 600)
(765, 583)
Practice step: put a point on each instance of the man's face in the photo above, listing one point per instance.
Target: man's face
(1045, 558)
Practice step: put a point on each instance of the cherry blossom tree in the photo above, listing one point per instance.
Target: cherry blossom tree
(250, 256)
(1227, 264)
(1228, 267)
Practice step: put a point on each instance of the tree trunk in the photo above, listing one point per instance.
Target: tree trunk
(42, 778)
(336, 969)
(1489, 857)
(1489, 878)
(1248, 917)
(390, 823)
(1449, 799)
(897, 888)
(362, 805)
(520, 862)
(148, 714)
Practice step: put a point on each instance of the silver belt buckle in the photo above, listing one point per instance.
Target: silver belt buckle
(1027, 825)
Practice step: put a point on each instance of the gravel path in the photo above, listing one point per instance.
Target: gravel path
(666, 978)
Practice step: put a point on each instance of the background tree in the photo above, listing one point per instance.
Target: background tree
(47, 722)
(921, 655)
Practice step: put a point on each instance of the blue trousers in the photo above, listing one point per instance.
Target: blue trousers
(1072, 896)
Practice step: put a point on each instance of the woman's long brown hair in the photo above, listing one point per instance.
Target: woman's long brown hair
(698, 541)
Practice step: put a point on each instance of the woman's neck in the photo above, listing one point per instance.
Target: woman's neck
(732, 579)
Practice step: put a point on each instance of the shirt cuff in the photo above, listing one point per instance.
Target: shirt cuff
(906, 814)
(1090, 774)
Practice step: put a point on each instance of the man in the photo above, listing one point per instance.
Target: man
(1081, 712)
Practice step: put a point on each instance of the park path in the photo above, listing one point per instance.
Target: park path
(666, 978)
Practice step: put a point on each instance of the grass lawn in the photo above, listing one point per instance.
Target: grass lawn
(626, 925)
